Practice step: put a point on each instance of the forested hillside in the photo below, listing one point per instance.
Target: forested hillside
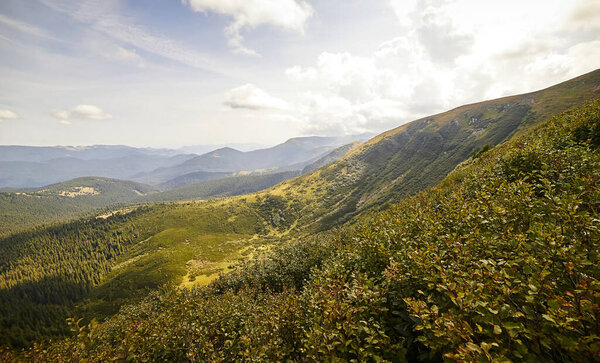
(23, 208)
(91, 266)
(498, 262)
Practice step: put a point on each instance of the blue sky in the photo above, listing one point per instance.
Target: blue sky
(168, 73)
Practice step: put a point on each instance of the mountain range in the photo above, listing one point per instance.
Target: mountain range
(28, 166)
(293, 154)
(24, 207)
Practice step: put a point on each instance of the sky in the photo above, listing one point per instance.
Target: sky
(169, 73)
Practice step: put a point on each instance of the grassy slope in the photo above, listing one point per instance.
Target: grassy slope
(421, 153)
(27, 207)
(333, 156)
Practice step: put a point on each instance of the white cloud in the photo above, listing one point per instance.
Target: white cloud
(404, 10)
(357, 93)
(81, 112)
(298, 73)
(455, 52)
(251, 97)
(127, 56)
(7, 115)
(584, 16)
(247, 14)
(24, 27)
(329, 114)
(102, 17)
(61, 114)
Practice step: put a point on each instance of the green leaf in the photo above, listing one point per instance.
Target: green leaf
(473, 347)
(549, 318)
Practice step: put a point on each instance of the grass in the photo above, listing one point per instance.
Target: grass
(186, 232)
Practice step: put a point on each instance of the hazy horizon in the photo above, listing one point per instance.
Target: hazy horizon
(248, 146)
(241, 146)
(171, 74)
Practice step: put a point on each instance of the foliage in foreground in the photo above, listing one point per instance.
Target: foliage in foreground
(500, 262)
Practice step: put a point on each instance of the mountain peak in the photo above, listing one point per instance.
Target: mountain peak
(224, 151)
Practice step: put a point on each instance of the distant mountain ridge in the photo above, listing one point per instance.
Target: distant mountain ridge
(30, 166)
(38, 173)
(298, 152)
(45, 153)
(238, 183)
(203, 149)
(25, 207)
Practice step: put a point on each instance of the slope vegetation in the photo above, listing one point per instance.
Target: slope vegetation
(91, 266)
(497, 263)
